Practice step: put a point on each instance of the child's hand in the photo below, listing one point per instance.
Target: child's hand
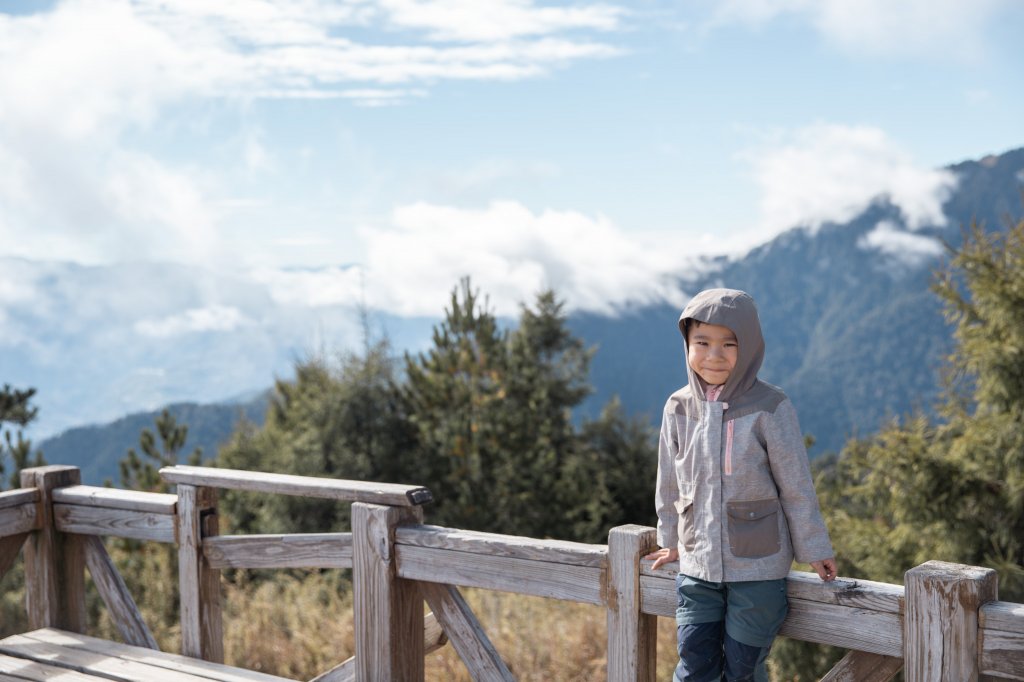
(663, 556)
(826, 569)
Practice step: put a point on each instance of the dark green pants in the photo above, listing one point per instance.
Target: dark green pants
(727, 628)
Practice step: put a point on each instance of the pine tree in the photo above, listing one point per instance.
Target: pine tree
(341, 420)
(455, 394)
(950, 488)
(497, 443)
(16, 409)
(149, 569)
(142, 473)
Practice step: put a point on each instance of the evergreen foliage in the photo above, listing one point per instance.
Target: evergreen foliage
(950, 488)
(149, 569)
(484, 418)
(138, 473)
(16, 409)
(343, 421)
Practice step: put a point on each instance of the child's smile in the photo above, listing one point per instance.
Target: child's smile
(712, 352)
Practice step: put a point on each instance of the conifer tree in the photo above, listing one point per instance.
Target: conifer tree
(496, 439)
(949, 488)
(456, 393)
(341, 420)
(142, 473)
(149, 569)
(16, 409)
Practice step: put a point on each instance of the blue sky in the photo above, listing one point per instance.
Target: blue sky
(287, 160)
(523, 142)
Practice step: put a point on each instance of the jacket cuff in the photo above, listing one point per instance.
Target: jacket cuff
(668, 538)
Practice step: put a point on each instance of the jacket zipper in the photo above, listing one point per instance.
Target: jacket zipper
(728, 441)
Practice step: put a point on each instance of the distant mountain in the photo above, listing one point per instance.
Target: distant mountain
(97, 450)
(854, 334)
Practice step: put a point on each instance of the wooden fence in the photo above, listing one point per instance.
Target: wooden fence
(944, 623)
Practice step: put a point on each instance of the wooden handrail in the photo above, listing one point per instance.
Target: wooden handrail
(391, 494)
(876, 620)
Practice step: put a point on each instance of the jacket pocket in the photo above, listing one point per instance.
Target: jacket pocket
(753, 527)
(687, 531)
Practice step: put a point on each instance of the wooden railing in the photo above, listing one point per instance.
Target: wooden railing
(945, 623)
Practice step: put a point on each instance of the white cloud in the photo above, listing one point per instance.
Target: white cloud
(80, 81)
(496, 20)
(830, 173)
(510, 252)
(305, 48)
(923, 27)
(905, 247)
(214, 318)
(312, 288)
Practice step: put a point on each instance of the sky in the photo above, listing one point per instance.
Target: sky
(375, 151)
(385, 148)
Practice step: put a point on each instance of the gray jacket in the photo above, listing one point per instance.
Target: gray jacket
(735, 493)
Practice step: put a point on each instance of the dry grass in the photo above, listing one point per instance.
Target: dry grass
(298, 628)
(295, 627)
(544, 639)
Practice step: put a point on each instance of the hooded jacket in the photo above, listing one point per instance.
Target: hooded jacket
(735, 492)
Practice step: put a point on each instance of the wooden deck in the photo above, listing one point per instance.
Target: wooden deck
(58, 656)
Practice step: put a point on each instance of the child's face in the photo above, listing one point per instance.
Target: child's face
(712, 353)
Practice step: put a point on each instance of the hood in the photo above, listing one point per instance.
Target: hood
(736, 310)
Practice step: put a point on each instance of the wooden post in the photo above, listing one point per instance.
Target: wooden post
(632, 635)
(201, 625)
(54, 562)
(388, 610)
(940, 638)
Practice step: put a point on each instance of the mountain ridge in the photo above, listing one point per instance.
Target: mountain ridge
(854, 334)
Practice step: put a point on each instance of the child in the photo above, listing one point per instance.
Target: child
(735, 497)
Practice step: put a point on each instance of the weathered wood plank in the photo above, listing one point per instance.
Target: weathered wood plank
(1002, 615)
(199, 585)
(508, 574)
(493, 544)
(20, 669)
(1002, 654)
(286, 484)
(9, 548)
(388, 611)
(631, 633)
(18, 497)
(54, 563)
(17, 520)
(109, 583)
(465, 633)
(844, 626)
(116, 498)
(433, 639)
(862, 594)
(941, 625)
(105, 665)
(211, 617)
(860, 666)
(297, 550)
(853, 614)
(189, 544)
(155, 659)
(122, 523)
(657, 596)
